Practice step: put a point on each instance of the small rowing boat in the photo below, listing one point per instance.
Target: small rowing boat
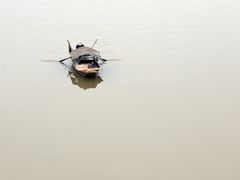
(86, 60)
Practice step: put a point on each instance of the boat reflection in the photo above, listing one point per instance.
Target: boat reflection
(83, 82)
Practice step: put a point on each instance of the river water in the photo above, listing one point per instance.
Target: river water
(166, 107)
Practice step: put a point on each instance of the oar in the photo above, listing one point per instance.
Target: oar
(110, 59)
(64, 59)
(103, 59)
(94, 43)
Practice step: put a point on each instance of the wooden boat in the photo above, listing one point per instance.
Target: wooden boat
(85, 60)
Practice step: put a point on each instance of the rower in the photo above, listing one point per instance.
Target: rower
(79, 45)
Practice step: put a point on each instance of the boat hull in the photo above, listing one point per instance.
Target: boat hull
(85, 68)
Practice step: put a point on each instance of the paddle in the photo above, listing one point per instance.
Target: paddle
(103, 59)
(110, 59)
(94, 43)
(64, 59)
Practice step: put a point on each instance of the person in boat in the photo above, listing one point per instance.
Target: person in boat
(79, 45)
(87, 59)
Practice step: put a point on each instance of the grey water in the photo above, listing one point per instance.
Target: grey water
(168, 108)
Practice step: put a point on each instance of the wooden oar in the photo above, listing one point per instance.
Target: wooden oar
(103, 59)
(64, 59)
(94, 43)
(110, 59)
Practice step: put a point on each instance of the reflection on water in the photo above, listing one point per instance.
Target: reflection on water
(83, 82)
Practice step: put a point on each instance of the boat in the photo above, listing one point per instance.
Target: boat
(86, 60)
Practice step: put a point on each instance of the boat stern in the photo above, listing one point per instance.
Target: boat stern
(87, 70)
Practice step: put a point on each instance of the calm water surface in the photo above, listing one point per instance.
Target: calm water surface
(167, 109)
